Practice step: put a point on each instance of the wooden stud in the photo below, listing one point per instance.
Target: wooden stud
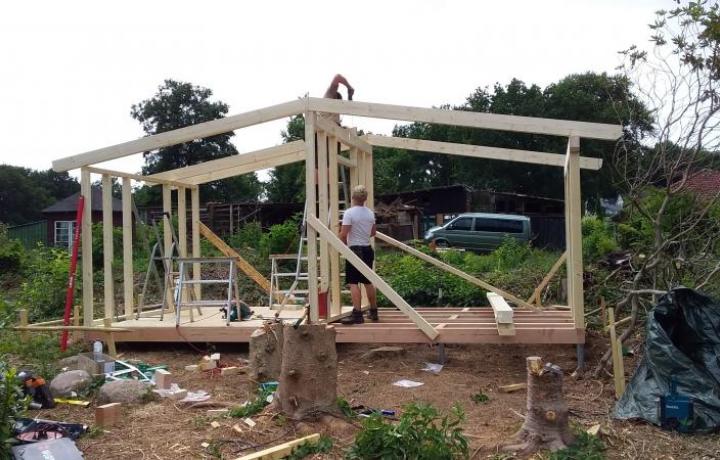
(617, 359)
(354, 171)
(195, 216)
(310, 197)
(469, 119)
(477, 151)
(182, 231)
(108, 253)
(107, 415)
(23, 319)
(110, 338)
(345, 135)
(76, 321)
(378, 282)
(323, 204)
(281, 450)
(127, 228)
(537, 293)
(574, 217)
(167, 244)
(87, 263)
(453, 270)
(178, 136)
(335, 304)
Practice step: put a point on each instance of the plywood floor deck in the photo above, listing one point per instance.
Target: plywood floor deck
(455, 325)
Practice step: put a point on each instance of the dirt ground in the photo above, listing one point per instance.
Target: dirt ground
(165, 430)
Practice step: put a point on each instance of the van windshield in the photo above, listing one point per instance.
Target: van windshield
(484, 224)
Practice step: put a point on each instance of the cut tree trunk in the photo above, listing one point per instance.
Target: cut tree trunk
(265, 349)
(308, 378)
(546, 423)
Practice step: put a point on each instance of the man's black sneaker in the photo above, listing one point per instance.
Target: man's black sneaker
(373, 314)
(356, 317)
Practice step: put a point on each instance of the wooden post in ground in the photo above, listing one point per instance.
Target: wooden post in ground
(76, 321)
(617, 359)
(195, 215)
(310, 196)
(87, 264)
(573, 216)
(127, 229)
(108, 253)
(23, 319)
(112, 351)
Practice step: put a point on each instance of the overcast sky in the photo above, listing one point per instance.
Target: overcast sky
(70, 70)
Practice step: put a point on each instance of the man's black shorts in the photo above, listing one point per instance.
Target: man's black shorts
(352, 274)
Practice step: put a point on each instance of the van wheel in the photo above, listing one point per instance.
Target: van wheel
(442, 244)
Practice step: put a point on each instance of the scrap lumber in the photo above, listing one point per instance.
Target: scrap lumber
(281, 450)
(512, 387)
(617, 358)
(241, 263)
(503, 314)
(107, 415)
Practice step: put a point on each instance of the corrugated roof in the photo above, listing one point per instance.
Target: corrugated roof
(69, 204)
(705, 183)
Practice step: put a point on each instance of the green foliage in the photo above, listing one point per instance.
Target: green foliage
(344, 407)
(585, 447)
(422, 433)
(598, 239)
(40, 353)
(480, 398)
(12, 404)
(46, 276)
(12, 253)
(323, 445)
(253, 407)
(283, 238)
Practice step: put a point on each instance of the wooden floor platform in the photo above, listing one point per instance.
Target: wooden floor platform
(455, 325)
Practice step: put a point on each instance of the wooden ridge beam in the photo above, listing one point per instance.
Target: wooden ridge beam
(469, 119)
(453, 270)
(241, 263)
(477, 151)
(236, 165)
(345, 135)
(373, 277)
(178, 136)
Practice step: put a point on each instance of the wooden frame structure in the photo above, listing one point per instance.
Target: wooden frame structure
(328, 147)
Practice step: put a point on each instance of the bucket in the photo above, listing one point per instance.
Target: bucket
(323, 304)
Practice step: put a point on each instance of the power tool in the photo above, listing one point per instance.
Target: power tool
(35, 387)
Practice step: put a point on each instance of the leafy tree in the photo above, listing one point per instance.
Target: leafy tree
(287, 182)
(176, 105)
(25, 192)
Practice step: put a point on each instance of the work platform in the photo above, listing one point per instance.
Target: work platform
(455, 325)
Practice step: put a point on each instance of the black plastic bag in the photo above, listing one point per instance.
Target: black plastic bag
(682, 344)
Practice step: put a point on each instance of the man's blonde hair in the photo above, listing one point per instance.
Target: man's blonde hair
(359, 193)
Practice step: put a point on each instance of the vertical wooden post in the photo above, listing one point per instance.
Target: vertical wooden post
(195, 205)
(87, 262)
(112, 351)
(182, 229)
(354, 171)
(369, 180)
(310, 196)
(108, 252)
(23, 318)
(76, 321)
(323, 205)
(617, 359)
(167, 243)
(361, 178)
(573, 217)
(127, 228)
(335, 304)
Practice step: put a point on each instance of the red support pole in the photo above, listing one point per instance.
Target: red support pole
(73, 267)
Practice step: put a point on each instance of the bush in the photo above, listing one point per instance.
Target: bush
(12, 253)
(12, 404)
(46, 276)
(598, 239)
(422, 433)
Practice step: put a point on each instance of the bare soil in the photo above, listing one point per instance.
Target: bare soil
(166, 430)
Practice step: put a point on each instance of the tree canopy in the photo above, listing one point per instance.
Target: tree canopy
(176, 105)
(25, 192)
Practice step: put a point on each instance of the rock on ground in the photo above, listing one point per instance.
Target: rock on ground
(78, 363)
(125, 391)
(65, 383)
(384, 352)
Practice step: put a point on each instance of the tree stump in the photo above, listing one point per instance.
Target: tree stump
(308, 377)
(265, 348)
(546, 423)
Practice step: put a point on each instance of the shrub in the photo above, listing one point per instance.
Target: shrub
(422, 433)
(598, 239)
(12, 404)
(46, 276)
(12, 253)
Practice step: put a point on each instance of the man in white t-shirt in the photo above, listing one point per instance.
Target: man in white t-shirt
(358, 226)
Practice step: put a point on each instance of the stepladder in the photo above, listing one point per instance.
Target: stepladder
(230, 303)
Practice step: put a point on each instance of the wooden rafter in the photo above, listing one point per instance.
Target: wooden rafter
(236, 165)
(476, 151)
(137, 177)
(178, 136)
(534, 125)
(374, 278)
(345, 135)
(453, 270)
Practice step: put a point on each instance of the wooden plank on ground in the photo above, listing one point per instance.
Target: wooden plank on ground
(241, 263)
(281, 450)
(373, 277)
(453, 270)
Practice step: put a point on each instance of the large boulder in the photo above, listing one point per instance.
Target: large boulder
(125, 391)
(78, 362)
(66, 383)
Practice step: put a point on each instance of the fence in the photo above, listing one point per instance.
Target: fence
(30, 234)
